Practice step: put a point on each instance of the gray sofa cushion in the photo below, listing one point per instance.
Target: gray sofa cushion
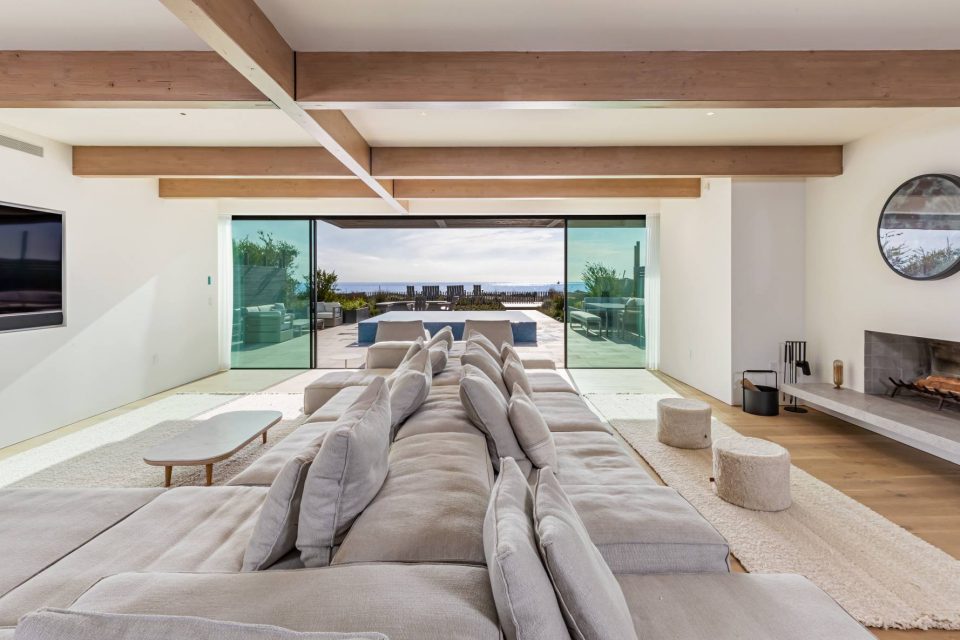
(590, 598)
(648, 529)
(409, 388)
(484, 343)
(415, 347)
(264, 469)
(275, 533)
(543, 380)
(514, 374)
(318, 392)
(589, 457)
(733, 606)
(442, 337)
(521, 587)
(477, 357)
(431, 506)
(532, 433)
(47, 624)
(567, 412)
(498, 331)
(185, 529)
(387, 354)
(399, 330)
(438, 359)
(40, 526)
(346, 474)
(487, 409)
(337, 405)
(441, 412)
(403, 601)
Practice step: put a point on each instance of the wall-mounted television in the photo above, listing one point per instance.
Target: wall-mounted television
(31, 267)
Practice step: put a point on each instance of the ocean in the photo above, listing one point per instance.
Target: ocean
(504, 287)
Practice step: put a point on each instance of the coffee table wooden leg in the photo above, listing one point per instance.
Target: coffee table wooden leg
(264, 437)
(209, 474)
(167, 475)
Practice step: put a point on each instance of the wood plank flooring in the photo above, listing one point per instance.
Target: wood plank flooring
(918, 491)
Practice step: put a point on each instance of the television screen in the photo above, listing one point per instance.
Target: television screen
(31, 267)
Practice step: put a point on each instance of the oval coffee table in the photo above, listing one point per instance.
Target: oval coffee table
(211, 441)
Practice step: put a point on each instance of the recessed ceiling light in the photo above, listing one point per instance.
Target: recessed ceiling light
(711, 113)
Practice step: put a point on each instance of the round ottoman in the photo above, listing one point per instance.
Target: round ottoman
(752, 473)
(683, 423)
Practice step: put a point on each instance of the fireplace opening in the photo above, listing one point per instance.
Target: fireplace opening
(913, 369)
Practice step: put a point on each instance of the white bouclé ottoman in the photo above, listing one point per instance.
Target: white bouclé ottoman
(683, 423)
(752, 473)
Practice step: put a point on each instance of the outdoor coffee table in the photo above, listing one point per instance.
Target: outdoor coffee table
(211, 441)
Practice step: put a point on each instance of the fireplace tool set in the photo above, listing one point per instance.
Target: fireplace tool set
(795, 363)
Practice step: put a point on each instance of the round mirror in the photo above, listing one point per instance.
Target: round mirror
(919, 230)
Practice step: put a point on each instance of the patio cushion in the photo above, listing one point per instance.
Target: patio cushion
(732, 606)
(478, 357)
(185, 529)
(399, 330)
(275, 533)
(346, 474)
(498, 331)
(514, 374)
(264, 469)
(590, 598)
(522, 590)
(477, 338)
(648, 529)
(431, 506)
(402, 601)
(487, 410)
(567, 412)
(441, 412)
(531, 430)
(318, 392)
(589, 457)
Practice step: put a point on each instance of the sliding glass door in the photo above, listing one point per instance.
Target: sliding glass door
(605, 314)
(271, 294)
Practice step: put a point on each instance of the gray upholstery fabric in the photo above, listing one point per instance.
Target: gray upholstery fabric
(487, 409)
(526, 603)
(409, 388)
(403, 601)
(431, 506)
(419, 361)
(443, 336)
(588, 457)
(529, 361)
(346, 474)
(337, 405)
(185, 529)
(441, 412)
(542, 380)
(275, 533)
(514, 374)
(532, 433)
(648, 529)
(476, 356)
(438, 359)
(264, 469)
(567, 412)
(450, 376)
(415, 347)
(387, 354)
(484, 343)
(47, 624)
(399, 330)
(590, 598)
(40, 526)
(318, 392)
(734, 606)
(498, 331)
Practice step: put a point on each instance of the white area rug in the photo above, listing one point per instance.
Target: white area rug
(110, 454)
(879, 572)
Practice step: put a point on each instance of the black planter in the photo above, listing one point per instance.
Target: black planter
(352, 316)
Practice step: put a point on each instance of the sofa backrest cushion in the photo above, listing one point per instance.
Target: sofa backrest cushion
(275, 533)
(531, 430)
(45, 624)
(443, 336)
(483, 341)
(487, 409)
(346, 474)
(407, 392)
(477, 356)
(415, 347)
(590, 597)
(514, 374)
(399, 330)
(438, 359)
(498, 331)
(526, 603)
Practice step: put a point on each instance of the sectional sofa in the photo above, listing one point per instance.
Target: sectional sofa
(477, 501)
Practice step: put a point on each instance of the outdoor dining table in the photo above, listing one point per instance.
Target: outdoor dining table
(606, 308)
(396, 303)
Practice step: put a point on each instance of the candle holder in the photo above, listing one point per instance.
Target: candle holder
(838, 374)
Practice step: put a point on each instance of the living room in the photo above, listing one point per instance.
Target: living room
(764, 369)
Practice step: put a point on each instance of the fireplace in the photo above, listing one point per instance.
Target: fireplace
(908, 367)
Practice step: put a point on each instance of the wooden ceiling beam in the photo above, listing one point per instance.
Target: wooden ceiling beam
(243, 35)
(267, 188)
(599, 79)
(611, 162)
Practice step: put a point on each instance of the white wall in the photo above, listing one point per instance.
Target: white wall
(849, 287)
(768, 273)
(696, 289)
(141, 317)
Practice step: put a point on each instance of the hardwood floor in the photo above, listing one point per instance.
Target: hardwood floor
(916, 490)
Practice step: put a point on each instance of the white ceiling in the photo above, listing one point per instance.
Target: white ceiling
(147, 127)
(584, 25)
(574, 127)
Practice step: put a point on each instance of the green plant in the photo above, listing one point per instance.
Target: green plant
(601, 281)
(267, 252)
(349, 304)
(326, 285)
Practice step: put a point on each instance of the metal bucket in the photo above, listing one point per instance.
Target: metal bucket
(765, 401)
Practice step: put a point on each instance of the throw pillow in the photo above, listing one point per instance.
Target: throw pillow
(478, 338)
(590, 597)
(507, 350)
(522, 591)
(415, 347)
(438, 359)
(531, 430)
(487, 410)
(407, 393)
(515, 375)
(444, 335)
(478, 357)
(419, 362)
(346, 474)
